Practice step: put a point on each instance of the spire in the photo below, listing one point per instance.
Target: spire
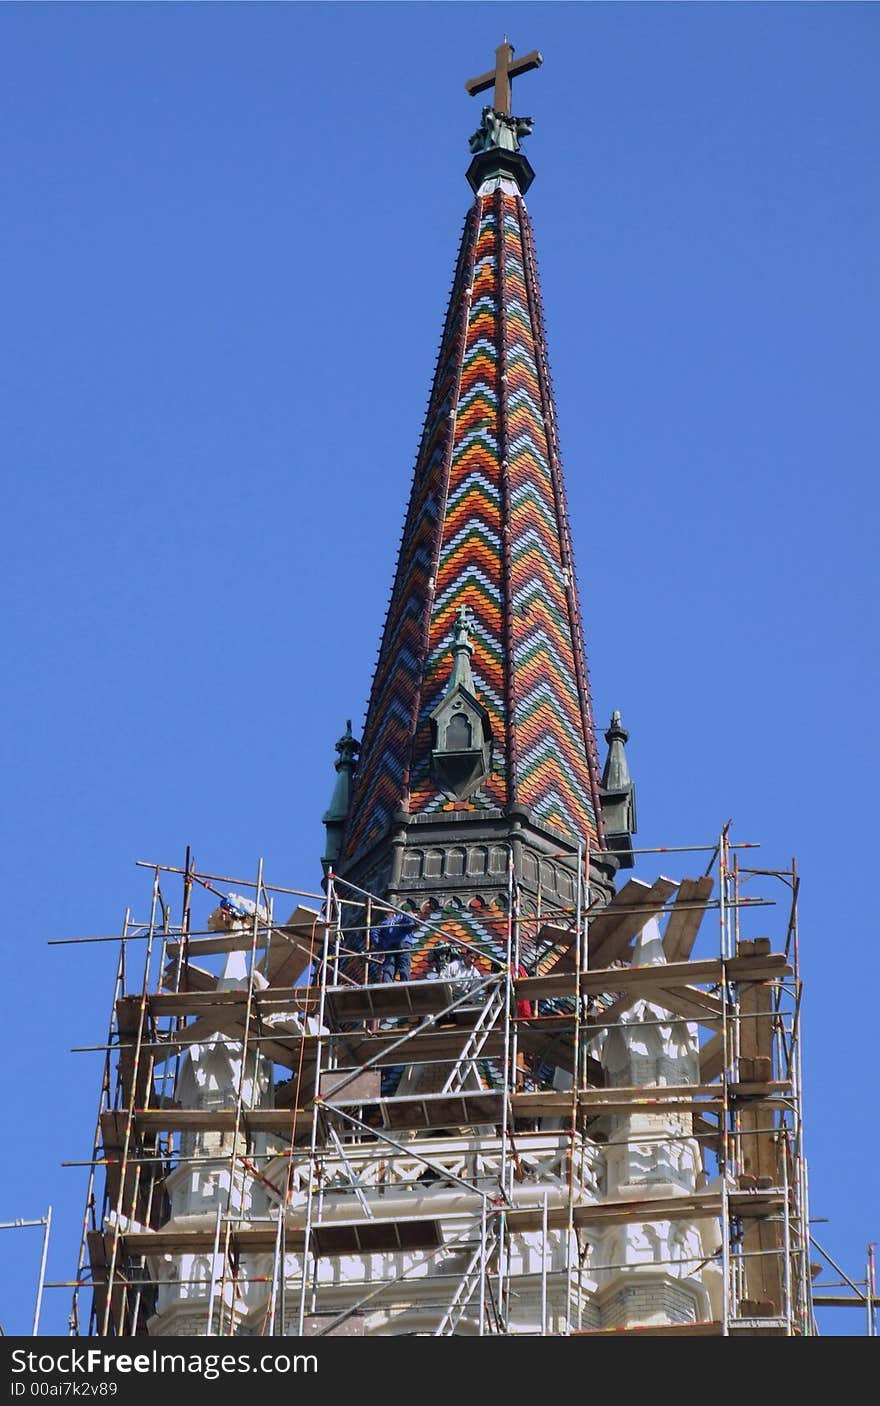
(618, 794)
(486, 528)
(462, 652)
(335, 815)
(502, 734)
(495, 143)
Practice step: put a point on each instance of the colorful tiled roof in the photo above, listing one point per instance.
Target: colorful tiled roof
(486, 528)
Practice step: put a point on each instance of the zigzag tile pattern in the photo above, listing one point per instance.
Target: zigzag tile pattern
(484, 929)
(553, 776)
(463, 496)
(387, 738)
(469, 568)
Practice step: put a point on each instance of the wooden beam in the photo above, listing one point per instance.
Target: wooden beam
(188, 977)
(300, 927)
(345, 1236)
(294, 947)
(600, 981)
(706, 1328)
(611, 936)
(393, 998)
(258, 1239)
(194, 1120)
(689, 1002)
(603, 922)
(555, 1103)
(758, 1151)
(443, 1044)
(712, 1059)
(272, 1000)
(684, 921)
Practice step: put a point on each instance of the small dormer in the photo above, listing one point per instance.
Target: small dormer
(461, 746)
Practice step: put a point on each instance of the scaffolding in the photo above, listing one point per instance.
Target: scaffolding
(430, 1156)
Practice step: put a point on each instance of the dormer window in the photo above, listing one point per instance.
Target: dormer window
(459, 736)
(461, 757)
(461, 754)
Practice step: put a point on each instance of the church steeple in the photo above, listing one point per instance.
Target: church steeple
(486, 533)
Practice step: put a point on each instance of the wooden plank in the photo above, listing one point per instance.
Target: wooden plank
(193, 1120)
(688, 1002)
(427, 997)
(300, 926)
(614, 940)
(754, 947)
(139, 1176)
(462, 1110)
(188, 977)
(712, 1058)
(609, 1015)
(272, 1000)
(294, 947)
(376, 1237)
(557, 946)
(173, 1241)
(384, 1000)
(288, 1095)
(128, 1017)
(706, 1328)
(384, 1233)
(684, 921)
(440, 1110)
(709, 1133)
(164, 1003)
(128, 1024)
(281, 1042)
(554, 1103)
(760, 967)
(758, 1154)
(99, 1261)
(422, 1046)
(681, 1002)
(822, 1300)
(555, 1044)
(328, 1238)
(199, 1032)
(417, 1110)
(602, 923)
(756, 1018)
(365, 1085)
(761, 1090)
(700, 1205)
(604, 980)
(210, 945)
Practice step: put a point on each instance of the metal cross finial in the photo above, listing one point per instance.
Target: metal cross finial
(499, 78)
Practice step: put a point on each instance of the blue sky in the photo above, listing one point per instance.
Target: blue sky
(227, 239)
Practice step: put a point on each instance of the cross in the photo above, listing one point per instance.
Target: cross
(499, 77)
